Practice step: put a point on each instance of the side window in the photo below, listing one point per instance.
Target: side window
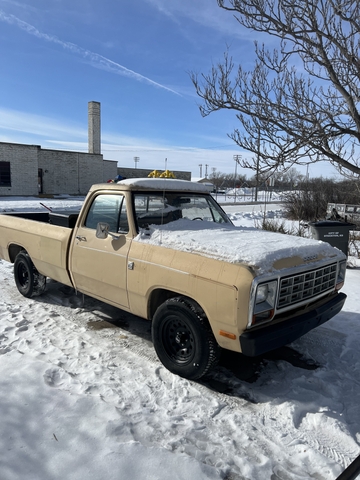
(109, 209)
(150, 209)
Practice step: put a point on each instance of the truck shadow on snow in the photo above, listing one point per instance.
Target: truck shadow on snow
(233, 369)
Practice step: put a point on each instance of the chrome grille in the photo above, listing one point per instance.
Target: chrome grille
(307, 285)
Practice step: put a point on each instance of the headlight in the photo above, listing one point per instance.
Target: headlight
(341, 275)
(266, 293)
(265, 298)
(262, 293)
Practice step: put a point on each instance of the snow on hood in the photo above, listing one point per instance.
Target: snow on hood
(256, 248)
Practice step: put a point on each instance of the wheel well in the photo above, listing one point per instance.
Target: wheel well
(14, 250)
(159, 296)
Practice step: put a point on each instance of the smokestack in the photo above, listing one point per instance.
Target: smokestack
(94, 135)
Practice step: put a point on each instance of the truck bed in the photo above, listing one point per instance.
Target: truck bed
(61, 218)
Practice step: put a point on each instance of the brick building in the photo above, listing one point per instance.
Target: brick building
(31, 170)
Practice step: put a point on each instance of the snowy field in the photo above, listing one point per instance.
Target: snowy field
(83, 395)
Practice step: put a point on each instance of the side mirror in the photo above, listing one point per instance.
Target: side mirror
(102, 230)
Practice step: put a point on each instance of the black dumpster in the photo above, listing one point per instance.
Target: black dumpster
(334, 232)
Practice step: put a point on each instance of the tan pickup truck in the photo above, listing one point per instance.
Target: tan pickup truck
(163, 249)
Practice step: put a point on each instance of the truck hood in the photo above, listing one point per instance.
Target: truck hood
(265, 252)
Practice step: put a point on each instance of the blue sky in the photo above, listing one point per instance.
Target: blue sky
(132, 56)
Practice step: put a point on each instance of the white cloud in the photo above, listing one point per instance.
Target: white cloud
(177, 158)
(25, 128)
(27, 123)
(22, 127)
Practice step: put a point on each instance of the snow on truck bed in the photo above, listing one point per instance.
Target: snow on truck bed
(250, 246)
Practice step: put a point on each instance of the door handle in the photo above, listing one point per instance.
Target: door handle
(80, 238)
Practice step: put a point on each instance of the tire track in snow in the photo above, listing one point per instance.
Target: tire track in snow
(317, 415)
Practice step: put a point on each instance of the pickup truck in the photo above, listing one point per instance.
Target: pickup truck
(163, 249)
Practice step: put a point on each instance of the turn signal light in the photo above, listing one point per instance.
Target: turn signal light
(232, 336)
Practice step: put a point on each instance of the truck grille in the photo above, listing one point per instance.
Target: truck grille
(307, 285)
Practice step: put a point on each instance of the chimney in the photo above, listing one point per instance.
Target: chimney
(94, 135)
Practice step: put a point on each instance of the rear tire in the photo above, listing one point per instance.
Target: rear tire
(29, 281)
(183, 339)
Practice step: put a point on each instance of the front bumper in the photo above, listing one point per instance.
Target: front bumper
(262, 340)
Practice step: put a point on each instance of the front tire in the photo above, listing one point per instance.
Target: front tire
(183, 339)
(29, 281)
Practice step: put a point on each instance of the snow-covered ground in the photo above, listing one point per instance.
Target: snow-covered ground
(83, 395)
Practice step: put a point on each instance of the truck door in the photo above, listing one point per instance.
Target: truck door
(99, 265)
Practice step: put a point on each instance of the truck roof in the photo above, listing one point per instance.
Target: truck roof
(153, 184)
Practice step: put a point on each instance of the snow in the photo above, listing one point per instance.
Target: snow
(83, 394)
(247, 245)
(165, 184)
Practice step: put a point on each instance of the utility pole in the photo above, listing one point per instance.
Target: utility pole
(206, 167)
(237, 159)
(200, 165)
(136, 160)
(257, 168)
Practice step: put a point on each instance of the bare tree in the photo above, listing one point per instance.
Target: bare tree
(293, 116)
(291, 178)
(217, 179)
(226, 180)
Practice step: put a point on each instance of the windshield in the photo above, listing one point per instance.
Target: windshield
(165, 207)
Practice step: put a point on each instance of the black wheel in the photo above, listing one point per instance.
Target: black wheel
(183, 339)
(28, 280)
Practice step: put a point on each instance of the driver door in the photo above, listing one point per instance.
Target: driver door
(99, 266)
